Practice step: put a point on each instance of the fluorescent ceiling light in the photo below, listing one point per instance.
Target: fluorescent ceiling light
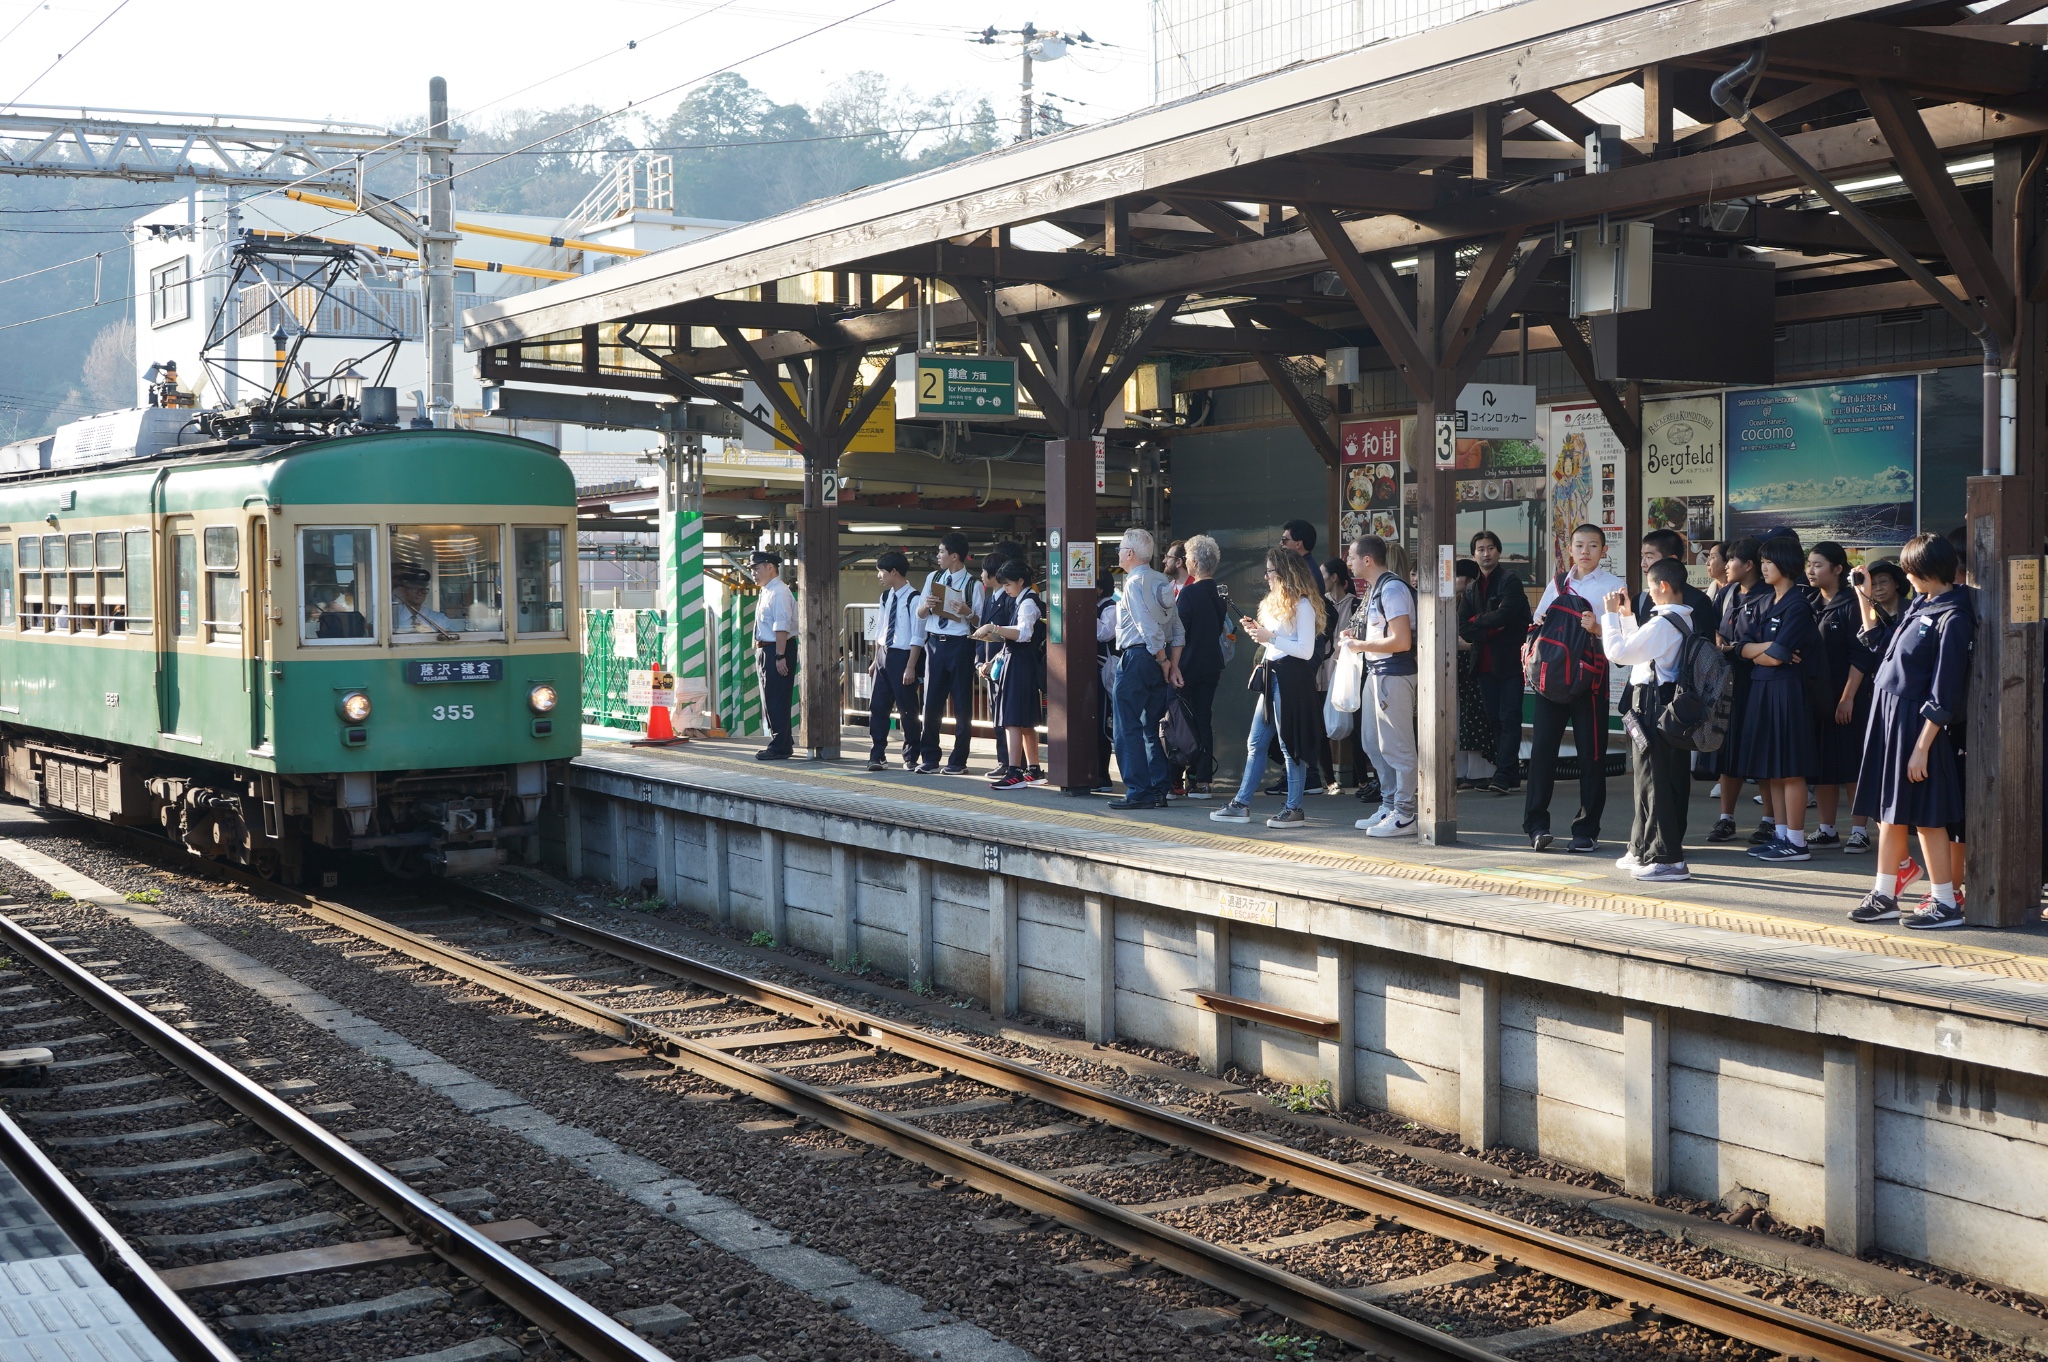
(875, 529)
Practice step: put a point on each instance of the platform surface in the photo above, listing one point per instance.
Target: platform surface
(1793, 916)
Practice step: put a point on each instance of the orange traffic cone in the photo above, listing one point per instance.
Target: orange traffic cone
(661, 729)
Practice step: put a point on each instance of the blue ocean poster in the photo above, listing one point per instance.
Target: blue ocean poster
(1833, 461)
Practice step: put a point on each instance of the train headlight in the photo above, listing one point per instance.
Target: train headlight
(355, 706)
(542, 697)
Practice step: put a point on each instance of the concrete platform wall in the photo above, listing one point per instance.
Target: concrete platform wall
(1818, 1106)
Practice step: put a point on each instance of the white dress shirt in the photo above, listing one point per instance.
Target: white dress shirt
(1650, 650)
(777, 610)
(1593, 588)
(941, 625)
(1027, 617)
(901, 628)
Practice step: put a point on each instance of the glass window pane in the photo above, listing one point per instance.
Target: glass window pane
(221, 546)
(58, 584)
(187, 568)
(80, 549)
(32, 616)
(224, 603)
(53, 551)
(142, 581)
(6, 582)
(84, 615)
(31, 554)
(445, 580)
(539, 554)
(340, 600)
(107, 550)
(114, 602)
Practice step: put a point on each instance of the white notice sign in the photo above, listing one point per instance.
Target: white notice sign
(1497, 411)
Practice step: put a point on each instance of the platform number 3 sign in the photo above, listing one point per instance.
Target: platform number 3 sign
(1446, 441)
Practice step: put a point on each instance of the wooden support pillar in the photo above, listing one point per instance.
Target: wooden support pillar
(1116, 227)
(772, 916)
(1098, 1002)
(1646, 1099)
(1212, 972)
(1657, 106)
(1632, 503)
(818, 602)
(1478, 1058)
(1337, 1061)
(717, 872)
(917, 891)
(1486, 150)
(1002, 946)
(845, 903)
(1436, 634)
(1848, 1172)
(1071, 686)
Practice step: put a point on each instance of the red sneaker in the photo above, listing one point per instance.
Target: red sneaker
(1909, 871)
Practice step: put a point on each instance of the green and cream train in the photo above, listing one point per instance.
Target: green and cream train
(364, 642)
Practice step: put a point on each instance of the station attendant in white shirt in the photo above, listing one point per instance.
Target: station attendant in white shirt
(1663, 773)
(775, 643)
(893, 674)
(1589, 584)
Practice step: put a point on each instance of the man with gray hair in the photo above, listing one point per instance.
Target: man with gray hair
(1145, 631)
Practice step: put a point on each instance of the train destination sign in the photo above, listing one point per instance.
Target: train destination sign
(959, 387)
(434, 672)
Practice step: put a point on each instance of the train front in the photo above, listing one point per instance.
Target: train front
(428, 669)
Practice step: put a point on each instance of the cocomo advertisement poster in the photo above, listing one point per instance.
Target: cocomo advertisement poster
(1833, 461)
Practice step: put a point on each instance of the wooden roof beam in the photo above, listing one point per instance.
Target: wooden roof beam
(1917, 58)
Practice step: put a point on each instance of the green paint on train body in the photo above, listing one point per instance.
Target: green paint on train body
(107, 689)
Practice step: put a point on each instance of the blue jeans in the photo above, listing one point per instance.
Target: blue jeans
(1141, 696)
(1262, 733)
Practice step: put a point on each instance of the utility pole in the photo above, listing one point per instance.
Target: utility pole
(437, 254)
(1035, 44)
(1024, 118)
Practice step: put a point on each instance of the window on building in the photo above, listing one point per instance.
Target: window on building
(223, 585)
(340, 603)
(141, 583)
(170, 292)
(538, 550)
(446, 580)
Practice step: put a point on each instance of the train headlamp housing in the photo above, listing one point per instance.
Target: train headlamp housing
(542, 698)
(354, 706)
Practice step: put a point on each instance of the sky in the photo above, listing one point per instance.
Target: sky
(519, 54)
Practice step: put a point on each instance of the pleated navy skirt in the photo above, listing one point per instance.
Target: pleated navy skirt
(1016, 697)
(1777, 740)
(1841, 745)
(1882, 790)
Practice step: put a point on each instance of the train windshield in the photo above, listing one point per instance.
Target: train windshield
(337, 567)
(446, 581)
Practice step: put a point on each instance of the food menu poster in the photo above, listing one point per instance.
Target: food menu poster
(1588, 475)
(1371, 469)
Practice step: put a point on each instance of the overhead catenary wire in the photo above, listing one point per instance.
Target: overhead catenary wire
(104, 21)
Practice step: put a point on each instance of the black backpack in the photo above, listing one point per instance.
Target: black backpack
(1561, 660)
(1702, 695)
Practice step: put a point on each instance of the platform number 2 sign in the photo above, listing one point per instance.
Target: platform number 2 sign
(828, 484)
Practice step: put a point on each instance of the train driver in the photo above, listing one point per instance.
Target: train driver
(409, 612)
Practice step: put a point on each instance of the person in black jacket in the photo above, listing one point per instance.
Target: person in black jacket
(1204, 611)
(1657, 546)
(1496, 631)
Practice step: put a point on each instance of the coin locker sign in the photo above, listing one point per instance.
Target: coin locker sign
(956, 387)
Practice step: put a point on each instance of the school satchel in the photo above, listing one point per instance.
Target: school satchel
(1561, 660)
(1702, 695)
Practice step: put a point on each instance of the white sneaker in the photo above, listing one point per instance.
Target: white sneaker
(1626, 861)
(1663, 874)
(1333, 789)
(1371, 821)
(1715, 793)
(1393, 826)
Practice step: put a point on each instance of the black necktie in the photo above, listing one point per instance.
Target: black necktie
(888, 622)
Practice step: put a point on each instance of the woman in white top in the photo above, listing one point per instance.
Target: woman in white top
(1015, 669)
(1290, 620)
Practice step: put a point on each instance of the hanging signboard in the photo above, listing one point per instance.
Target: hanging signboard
(876, 436)
(1497, 411)
(1833, 461)
(1682, 449)
(1372, 480)
(1588, 468)
(956, 387)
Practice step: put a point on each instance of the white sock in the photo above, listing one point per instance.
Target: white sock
(1796, 836)
(1827, 829)
(1945, 895)
(1887, 880)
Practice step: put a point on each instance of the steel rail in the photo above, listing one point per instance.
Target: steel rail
(584, 1329)
(162, 1309)
(1671, 1293)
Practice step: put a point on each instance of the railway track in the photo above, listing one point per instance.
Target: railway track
(793, 1050)
(126, 1114)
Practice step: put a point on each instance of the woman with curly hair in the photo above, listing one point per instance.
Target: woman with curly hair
(1290, 620)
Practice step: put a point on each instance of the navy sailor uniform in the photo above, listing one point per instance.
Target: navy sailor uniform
(1841, 745)
(1778, 741)
(1925, 675)
(1016, 694)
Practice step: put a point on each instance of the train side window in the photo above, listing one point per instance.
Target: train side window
(186, 579)
(336, 568)
(84, 616)
(223, 584)
(6, 582)
(113, 586)
(538, 554)
(141, 605)
(31, 582)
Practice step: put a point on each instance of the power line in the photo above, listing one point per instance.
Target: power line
(762, 142)
(88, 207)
(75, 260)
(65, 231)
(123, 4)
(33, 11)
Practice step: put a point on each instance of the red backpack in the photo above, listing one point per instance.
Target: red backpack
(1561, 660)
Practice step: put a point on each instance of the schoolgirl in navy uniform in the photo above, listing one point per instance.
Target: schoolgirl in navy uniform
(1015, 618)
(1910, 778)
(1839, 715)
(1779, 750)
(1737, 601)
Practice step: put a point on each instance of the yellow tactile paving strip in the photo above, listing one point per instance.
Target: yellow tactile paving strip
(1538, 885)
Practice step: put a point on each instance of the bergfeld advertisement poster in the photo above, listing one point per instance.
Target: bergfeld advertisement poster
(1833, 461)
(1588, 475)
(1372, 479)
(1682, 468)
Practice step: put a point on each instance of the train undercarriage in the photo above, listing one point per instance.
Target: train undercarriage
(461, 821)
